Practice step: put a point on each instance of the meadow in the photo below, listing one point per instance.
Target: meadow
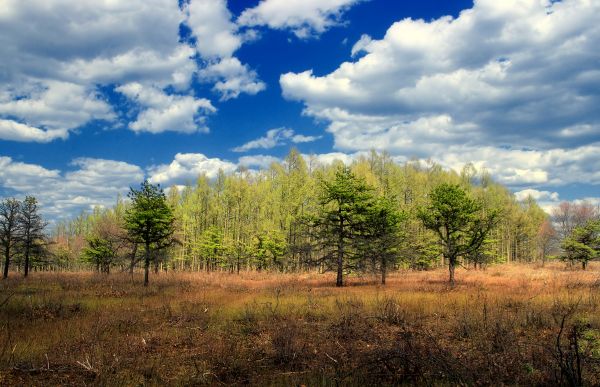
(507, 324)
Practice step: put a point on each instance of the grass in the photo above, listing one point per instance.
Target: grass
(509, 324)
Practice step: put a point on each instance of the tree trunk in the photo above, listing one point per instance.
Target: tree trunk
(133, 254)
(26, 261)
(584, 265)
(383, 270)
(451, 267)
(147, 264)
(6, 260)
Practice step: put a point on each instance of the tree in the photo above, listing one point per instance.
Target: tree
(344, 206)
(211, 246)
(383, 234)
(546, 237)
(101, 252)
(149, 220)
(459, 222)
(583, 244)
(31, 228)
(9, 229)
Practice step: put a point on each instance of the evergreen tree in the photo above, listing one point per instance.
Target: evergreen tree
(149, 220)
(31, 227)
(383, 234)
(458, 221)
(344, 206)
(583, 243)
(99, 252)
(9, 229)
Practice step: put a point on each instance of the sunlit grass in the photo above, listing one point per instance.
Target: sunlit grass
(280, 328)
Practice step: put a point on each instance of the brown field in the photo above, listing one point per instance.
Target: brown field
(498, 326)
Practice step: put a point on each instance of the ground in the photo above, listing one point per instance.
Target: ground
(507, 324)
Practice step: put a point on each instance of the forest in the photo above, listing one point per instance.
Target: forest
(387, 265)
(265, 220)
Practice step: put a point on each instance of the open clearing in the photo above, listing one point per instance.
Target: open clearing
(498, 326)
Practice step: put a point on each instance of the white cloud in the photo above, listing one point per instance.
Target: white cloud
(314, 160)
(14, 131)
(211, 24)
(218, 39)
(46, 110)
(260, 161)
(188, 166)
(362, 44)
(275, 137)
(55, 54)
(305, 18)
(232, 78)
(94, 182)
(537, 195)
(163, 112)
(500, 78)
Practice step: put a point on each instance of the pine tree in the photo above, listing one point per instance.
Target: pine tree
(344, 206)
(583, 243)
(382, 238)
(149, 220)
(458, 221)
(9, 229)
(31, 227)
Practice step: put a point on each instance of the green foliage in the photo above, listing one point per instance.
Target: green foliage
(287, 218)
(31, 231)
(99, 252)
(583, 243)
(149, 220)
(459, 222)
(383, 235)
(345, 205)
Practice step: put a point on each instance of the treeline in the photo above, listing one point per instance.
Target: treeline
(252, 220)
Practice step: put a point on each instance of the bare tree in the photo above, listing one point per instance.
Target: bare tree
(9, 229)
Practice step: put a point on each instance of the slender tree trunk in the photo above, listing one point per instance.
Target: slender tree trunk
(451, 267)
(584, 265)
(133, 254)
(383, 270)
(26, 261)
(340, 254)
(147, 264)
(6, 260)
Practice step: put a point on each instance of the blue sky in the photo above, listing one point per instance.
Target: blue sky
(97, 95)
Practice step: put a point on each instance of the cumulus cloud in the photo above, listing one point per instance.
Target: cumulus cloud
(516, 78)
(55, 54)
(260, 161)
(162, 112)
(14, 131)
(231, 78)
(275, 137)
(305, 18)
(360, 46)
(217, 39)
(188, 166)
(93, 182)
(537, 195)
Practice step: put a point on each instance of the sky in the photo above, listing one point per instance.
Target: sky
(97, 95)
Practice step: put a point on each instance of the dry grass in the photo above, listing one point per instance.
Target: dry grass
(498, 326)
